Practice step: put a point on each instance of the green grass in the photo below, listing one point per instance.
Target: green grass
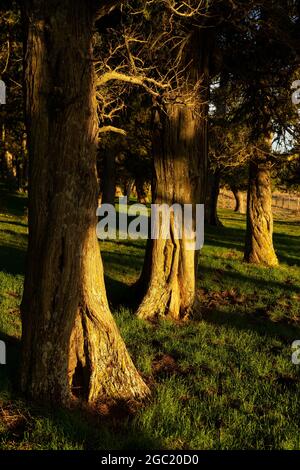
(224, 380)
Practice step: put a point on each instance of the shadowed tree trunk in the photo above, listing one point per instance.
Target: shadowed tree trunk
(71, 345)
(24, 165)
(259, 234)
(180, 166)
(8, 168)
(128, 184)
(211, 202)
(239, 200)
(109, 177)
(140, 187)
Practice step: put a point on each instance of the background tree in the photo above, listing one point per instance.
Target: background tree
(228, 147)
(261, 71)
(13, 155)
(129, 154)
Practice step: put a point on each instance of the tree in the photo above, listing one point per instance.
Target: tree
(71, 345)
(261, 71)
(127, 158)
(259, 234)
(212, 196)
(239, 199)
(168, 279)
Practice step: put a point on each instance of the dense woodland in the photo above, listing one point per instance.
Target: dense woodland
(166, 102)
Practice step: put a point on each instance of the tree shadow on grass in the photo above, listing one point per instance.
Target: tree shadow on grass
(46, 428)
(120, 293)
(12, 202)
(286, 247)
(12, 259)
(291, 223)
(226, 237)
(250, 322)
(122, 262)
(241, 281)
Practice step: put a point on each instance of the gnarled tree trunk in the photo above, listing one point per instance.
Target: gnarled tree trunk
(259, 234)
(71, 345)
(180, 168)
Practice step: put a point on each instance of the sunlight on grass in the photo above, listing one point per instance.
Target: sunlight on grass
(223, 380)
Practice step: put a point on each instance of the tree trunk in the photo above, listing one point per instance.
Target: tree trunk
(24, 173)
(109, 177)
(7, 159)
(211, 202)
(239, 200)
(180, 169)
(259, 234)
(128, 187)
(71, 345)
(140, 190)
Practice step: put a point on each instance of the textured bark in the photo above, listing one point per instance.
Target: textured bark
(211, 202)
(71, 345)
(259, 235)
(239, 200)
(180, 168)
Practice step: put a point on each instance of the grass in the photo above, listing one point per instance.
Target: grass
(224, 380)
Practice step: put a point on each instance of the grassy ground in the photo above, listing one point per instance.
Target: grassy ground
(224, 380)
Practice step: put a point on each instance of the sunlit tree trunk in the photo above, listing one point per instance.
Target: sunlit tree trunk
(259, 235)
(180, 168)
(239, 200)
(71, 345)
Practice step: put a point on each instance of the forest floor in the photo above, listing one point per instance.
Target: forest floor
(223, 380)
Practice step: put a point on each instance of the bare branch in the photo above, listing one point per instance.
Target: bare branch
(117, 130)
